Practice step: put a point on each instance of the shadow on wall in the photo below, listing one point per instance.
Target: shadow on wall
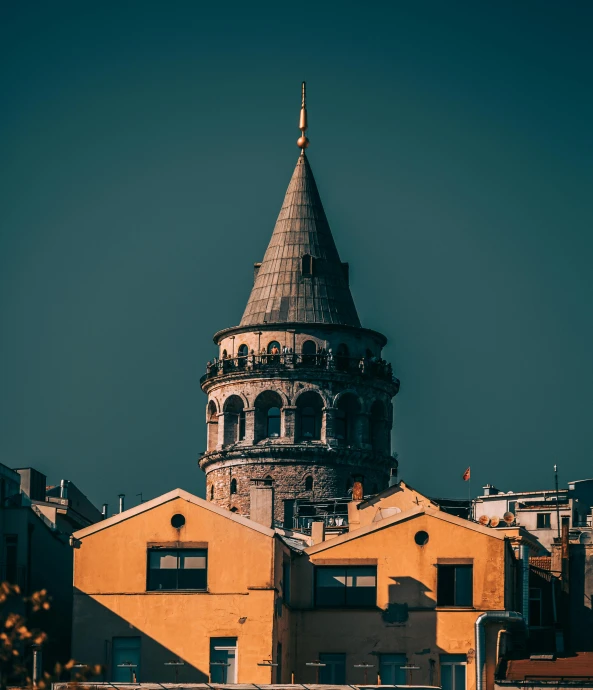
(406, 593)
(102, 637)
(580, 614)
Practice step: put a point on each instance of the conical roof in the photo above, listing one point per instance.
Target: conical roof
(284, 291)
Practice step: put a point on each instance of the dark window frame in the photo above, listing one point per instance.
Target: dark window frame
(347, 602)
(450, 579)
(545, 519)
(177, 570)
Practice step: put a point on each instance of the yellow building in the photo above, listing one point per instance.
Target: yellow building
(178, 579)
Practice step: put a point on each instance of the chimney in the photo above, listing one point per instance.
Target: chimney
(121, 502)
(490, 490)
(64, 488)
(105, 511)
(357, 489)
(261, 499)
(393, 476)
(318, 531)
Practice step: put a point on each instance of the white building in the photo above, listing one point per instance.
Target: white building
(538, 511)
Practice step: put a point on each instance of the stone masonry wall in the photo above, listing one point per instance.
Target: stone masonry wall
(289, 483)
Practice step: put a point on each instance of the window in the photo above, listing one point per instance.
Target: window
(535, 607)
(223, 659)
(543, 521)
(171, 569)
(273, 352)
(307, 265)
(234, 420)
(455, 585)
(390, 669)
(345, 417)
(286, 582)
(346, 587)
(212, 492)
(212, 423)
(334, 671)
(267, 415)
(273, 429)
(125, 660)
(309, 483)
(242, 353)
(342, 357)
(309, 413)
(453, 669)
(233, 486)
(309, 351)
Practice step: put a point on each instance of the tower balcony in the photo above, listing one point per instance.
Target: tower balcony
(270, 365)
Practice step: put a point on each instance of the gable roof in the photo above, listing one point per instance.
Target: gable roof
(280, 293)
(404, 517)
(165, 498)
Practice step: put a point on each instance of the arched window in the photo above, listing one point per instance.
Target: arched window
(273, 427)
(267, 415)
(342, 355)
(234, 420)
(273, 352)
(309, 410)
(233, 486)
(242, 353)
(345, 418)
(225, 354)
(379, 428)
(212, 492)
(212, 425)
(309, 351)
(309, 483)
(307, 265)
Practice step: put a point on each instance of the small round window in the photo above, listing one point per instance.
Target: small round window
(421, 538)
(178, 521)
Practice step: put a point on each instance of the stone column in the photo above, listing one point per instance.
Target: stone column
(288, 425)
(220, 443)
(249, 425)
(327, 426)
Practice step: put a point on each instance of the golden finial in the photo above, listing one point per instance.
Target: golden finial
(302, 141)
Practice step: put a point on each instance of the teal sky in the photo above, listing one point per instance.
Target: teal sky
(146, 148)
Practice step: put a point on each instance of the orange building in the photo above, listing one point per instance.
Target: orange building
(178, 588)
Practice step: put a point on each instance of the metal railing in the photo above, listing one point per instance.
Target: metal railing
(369, 367)
(303, 522)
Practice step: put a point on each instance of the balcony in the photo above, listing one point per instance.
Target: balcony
(361, 366)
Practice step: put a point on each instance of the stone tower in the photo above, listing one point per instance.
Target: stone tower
(299, 393)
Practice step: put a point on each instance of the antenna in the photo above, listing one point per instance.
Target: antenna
(508, 517)
(302, 141)
(494, 521)
(484, 520)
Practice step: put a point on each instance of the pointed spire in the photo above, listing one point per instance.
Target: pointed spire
(301, 278)
(302, 141)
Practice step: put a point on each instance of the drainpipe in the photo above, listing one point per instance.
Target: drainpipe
(509, 617)
(524, 553)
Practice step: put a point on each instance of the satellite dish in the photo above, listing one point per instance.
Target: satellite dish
(494, 521)
(484, 520)
(585, 538)
(509, 518)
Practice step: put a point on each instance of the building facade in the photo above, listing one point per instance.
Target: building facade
(298, 393)
(181, 589)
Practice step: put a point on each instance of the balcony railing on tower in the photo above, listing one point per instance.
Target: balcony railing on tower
(372, 367)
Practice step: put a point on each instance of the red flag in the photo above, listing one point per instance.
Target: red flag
(466, 475)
